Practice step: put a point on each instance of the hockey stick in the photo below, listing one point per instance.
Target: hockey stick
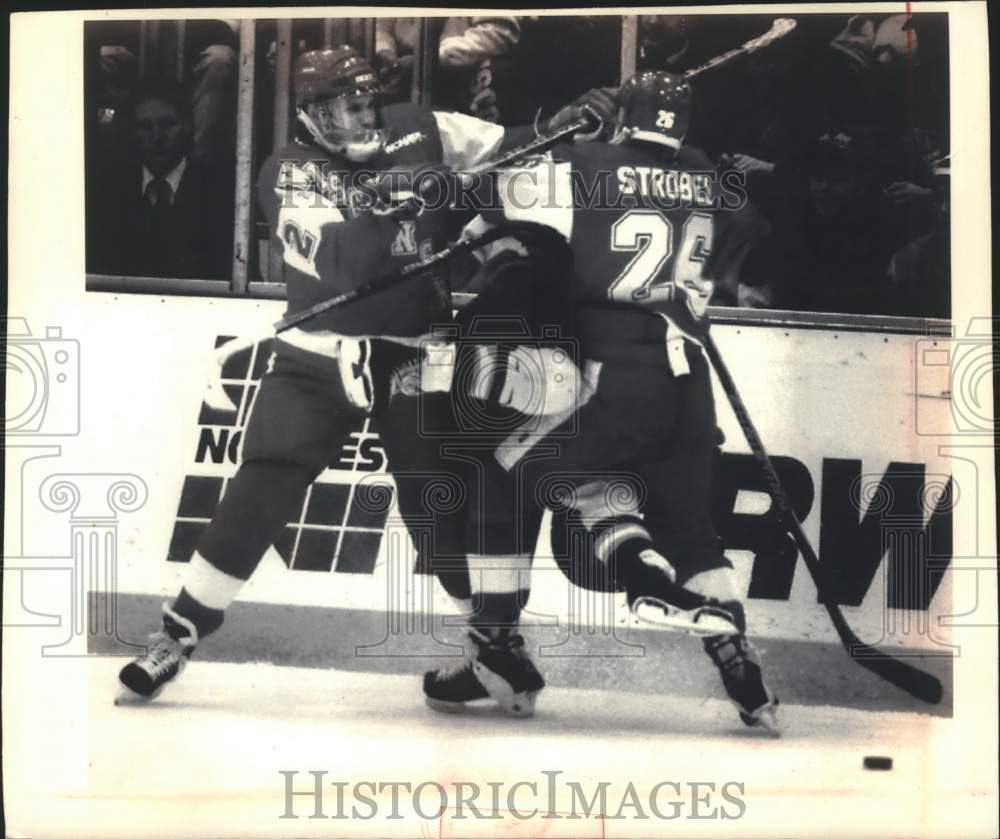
(216, 397)
(916, 682)
(781, 27)
(543, 142)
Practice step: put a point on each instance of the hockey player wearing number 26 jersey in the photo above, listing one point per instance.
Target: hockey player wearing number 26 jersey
(647, 229)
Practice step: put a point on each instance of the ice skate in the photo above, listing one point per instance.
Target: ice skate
(705, 620)
(654, 598)
(742, 677)
(169, 650)
(493, 669)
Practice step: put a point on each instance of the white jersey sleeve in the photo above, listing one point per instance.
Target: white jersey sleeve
(467, 141)
(539, 193)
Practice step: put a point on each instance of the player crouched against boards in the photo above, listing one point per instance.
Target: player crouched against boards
(640, 277)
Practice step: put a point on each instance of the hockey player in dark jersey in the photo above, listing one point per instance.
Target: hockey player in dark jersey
(643, 249)
(365, 358)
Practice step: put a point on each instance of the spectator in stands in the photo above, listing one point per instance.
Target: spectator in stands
(395, 45)
(918, 272)
(209, 72)
(469, 52)
(212, 78)
(896, 59)
(861, 77)
(466, 41)
(160, 212)
(663, 42)
(833, 237)
(525, 69)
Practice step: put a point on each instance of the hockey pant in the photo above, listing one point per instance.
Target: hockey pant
(297, 427)
(631, 467)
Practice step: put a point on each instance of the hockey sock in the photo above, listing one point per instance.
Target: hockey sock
(258, 503)
(624, 548)
(205, 619)
(495, 615)
(499, 589)
(454, 578)
(456, 583)
(210, 587)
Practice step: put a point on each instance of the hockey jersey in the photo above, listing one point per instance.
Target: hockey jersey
(645, 228)
(319, 212)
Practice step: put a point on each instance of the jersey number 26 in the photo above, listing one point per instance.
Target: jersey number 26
(650, 236)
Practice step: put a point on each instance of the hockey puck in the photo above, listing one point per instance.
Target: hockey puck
(877, 762)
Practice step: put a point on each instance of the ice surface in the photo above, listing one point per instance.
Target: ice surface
(205, 759)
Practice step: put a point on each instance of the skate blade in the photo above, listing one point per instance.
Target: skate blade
(500, 691)
(701, 622)
(474, 707)
(449, 707)
(523, 704)
(765, 720)
(126, 696)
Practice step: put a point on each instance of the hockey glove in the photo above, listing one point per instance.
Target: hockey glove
(408, 192)
(599, 104)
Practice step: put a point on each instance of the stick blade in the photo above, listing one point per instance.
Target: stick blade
(779, 29)
(918, 683)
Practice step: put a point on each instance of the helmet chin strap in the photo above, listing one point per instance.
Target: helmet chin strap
(355, 152)
(360, 152)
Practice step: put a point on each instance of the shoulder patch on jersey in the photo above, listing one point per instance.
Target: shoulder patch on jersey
(309, 181)
(294, 174)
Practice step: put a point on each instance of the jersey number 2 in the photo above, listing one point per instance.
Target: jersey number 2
(650, 236)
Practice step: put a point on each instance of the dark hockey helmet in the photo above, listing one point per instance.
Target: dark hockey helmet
(332, 73)
(656, 108)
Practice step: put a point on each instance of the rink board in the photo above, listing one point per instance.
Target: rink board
(853, 419)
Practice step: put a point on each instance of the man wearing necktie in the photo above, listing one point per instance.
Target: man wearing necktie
(163, 214)
(159, 193)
